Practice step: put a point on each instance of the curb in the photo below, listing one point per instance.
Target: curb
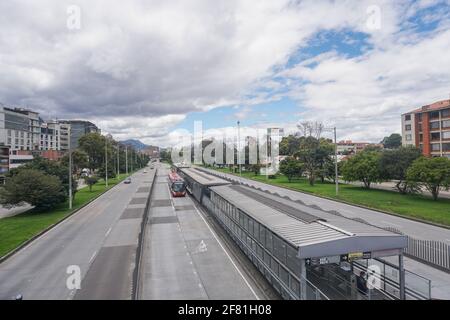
(41, 233)
(137, 270)
(435, 224)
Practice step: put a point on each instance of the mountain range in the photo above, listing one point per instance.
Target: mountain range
(136, 144)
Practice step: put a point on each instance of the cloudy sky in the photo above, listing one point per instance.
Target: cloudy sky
(148, 69)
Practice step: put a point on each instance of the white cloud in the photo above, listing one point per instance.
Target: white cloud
(138, 67)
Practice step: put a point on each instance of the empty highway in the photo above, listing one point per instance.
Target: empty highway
(101, 239)
(183, 258)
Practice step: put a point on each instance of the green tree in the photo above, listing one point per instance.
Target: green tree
(394, 141)
(313, 155)
(80, 160)
(290, 145)
(93, 144)
(291, 168)
(111, 172)
(90, 181)
(395, 163)
(365, 167)
(433, 174)
(255, 168)
(31, 186)
(52, 168)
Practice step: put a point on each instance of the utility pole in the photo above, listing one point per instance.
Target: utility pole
(70, 170)
(336, 162)
(118, 160)
(106, 161)
(126, 159)
(239, 147)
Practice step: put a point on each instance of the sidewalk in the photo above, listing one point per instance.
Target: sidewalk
(390, 186)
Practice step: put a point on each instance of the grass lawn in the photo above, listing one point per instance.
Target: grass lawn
(416, 206)
(18, 229)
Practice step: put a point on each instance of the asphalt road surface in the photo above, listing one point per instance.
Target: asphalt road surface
(101, 239)
(183, 258)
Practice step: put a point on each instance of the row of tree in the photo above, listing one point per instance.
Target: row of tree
(313, 157)
(44, 183)
(307, 156)
(405, 165)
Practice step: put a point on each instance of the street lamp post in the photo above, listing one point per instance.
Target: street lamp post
(70, 171)
(118, 160)
(239, 147)
(336, 177)
(335, 162)
(126, 159)
(106, 162)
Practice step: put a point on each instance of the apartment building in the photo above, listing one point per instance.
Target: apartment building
(428, 128)
(78, 128)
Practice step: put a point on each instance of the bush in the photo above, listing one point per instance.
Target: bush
(90, 181)
(432, 174)
(31, 186)
(365, 167)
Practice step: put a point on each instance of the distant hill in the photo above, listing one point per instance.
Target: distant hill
(138, 145)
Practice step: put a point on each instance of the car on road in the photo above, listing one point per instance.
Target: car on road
(145, 171)
(127, 181)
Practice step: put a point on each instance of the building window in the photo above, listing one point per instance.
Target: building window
(408, 117)
(434, 125)
(446, 135)
(435, 136)
(435, 147)
(446, 124)
(446, 147)
(446, 113)
(434, 115)
(408, 137)
(408, 127)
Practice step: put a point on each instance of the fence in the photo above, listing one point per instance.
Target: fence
(435, 253)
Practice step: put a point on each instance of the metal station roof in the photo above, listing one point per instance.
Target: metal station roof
(203, 178)
(315, 233)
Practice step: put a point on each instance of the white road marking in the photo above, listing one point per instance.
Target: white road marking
(93, 256)
(229, 257)
(107, 232)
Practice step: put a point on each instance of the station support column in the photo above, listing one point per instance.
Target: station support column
(401, 270)
(303, 284)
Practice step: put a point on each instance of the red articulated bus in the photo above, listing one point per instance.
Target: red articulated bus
(176, 185)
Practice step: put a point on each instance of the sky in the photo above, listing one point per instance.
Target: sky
(148, 69)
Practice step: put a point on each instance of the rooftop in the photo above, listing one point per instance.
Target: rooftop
(203, 178)
(313, 232)
(444, 104)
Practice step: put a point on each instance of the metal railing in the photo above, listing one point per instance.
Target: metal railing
(416, 286)
(435, 253)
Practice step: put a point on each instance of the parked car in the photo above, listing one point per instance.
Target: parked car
(127, 181)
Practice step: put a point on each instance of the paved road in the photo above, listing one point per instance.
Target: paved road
(101, 239)
(182, 257)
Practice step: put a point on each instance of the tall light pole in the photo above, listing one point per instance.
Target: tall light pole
(239, 147)
(118, 160)
(336, 162)
(70, 170)
(336, 177)
(126, 159)
(106, 162)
